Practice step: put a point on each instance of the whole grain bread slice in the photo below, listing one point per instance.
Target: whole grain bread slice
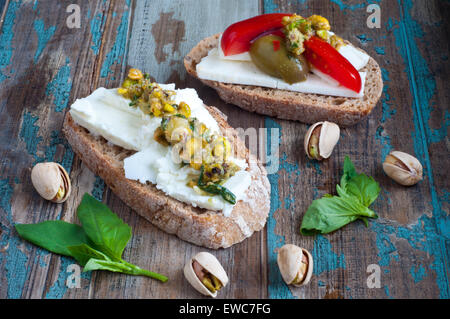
(196, 225)
(307, 108)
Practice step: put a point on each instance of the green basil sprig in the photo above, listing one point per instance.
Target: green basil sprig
(97, 245)
(356, 193)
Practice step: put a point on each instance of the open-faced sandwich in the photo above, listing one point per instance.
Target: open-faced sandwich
(172, 159)
(290, 67)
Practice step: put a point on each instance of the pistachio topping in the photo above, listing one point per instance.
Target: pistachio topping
(193, 143)
(299, 29)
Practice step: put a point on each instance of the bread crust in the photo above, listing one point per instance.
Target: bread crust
(307, 108)
(196, 225)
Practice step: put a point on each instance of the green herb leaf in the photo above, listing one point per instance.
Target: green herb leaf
(108, 232)
(123, 267)
(53, 235)
(361, 186)
(102, 238)
(82, 253)
(328, 214)
(355, 194)
(99, 264)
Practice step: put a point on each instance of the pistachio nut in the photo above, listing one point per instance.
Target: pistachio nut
(205, 273)
(51, 181)
(403, 168)
(320, 140)
(296, 265)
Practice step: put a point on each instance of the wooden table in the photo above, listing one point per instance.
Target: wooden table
(46, 63)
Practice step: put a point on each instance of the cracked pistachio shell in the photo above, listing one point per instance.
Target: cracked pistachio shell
(48, 179)
(403, 168)
(210, 263)
(289, 261)
(328, 138)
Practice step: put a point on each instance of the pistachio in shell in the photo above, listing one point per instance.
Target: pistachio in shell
(205, 273)
(403, 168)
(51, 181)
(320, 140)
(296, 265)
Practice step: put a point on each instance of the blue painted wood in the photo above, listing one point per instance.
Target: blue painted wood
(52, 66)
(423, 235)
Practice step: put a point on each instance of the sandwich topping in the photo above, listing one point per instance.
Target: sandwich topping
(287, 52)
(193, 143)
(178, 144)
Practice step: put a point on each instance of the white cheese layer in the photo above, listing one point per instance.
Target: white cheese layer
(213, 68)
(320, 83)
(108, 114)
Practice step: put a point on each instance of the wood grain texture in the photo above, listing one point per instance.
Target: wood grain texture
(45, 66)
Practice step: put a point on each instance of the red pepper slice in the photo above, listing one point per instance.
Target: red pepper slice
(329, 61)
(236, 38)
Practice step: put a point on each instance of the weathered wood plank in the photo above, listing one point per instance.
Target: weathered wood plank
(44, 66)
(42, 61)
(397, 241)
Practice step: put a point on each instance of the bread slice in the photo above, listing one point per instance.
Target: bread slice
(196, 225)
(307, 108)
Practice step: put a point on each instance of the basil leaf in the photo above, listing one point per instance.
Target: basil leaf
(122, 267)
(82, 253)
(328, 214)
(361, 186)
(98, 264)
(355, 194)
(108, 232)
(54, 235)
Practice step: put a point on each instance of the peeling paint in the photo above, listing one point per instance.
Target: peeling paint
(421, 236)
(6, 38)
(344, 6)
(44, 35)
(381, 135)
(96, 24)
(60, 87)
(15, 260)
(418, 273)
(50, 150)
(118, 49)
(380, 50)
(29, 134)
(173, 35)
(423, 89)
(277, 288)
(325, 259)
(363, 38)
